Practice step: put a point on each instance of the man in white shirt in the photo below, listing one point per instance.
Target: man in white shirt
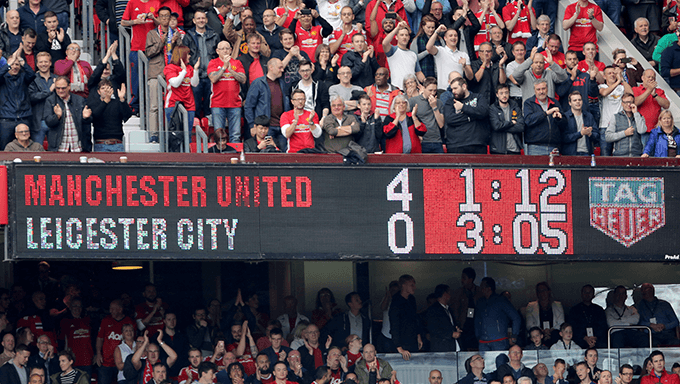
(448, 58)
(401, 59)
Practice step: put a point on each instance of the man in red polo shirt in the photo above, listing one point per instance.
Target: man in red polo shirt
(298, 125)
(584, 19)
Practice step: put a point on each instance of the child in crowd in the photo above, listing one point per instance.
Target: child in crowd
(566, 342)
(536, 337)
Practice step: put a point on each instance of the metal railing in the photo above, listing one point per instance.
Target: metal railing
(144, 105)
(615, 327)
(104, 39)
(124, 47)
(201, 140)
(88, 26)
(72, 21)
(161, 114)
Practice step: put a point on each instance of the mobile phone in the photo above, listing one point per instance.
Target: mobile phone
(626, 60)
(267, 138)
(391, 15)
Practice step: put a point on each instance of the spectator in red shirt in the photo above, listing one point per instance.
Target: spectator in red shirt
(226, 76)
(520, 20)
(308, 36)
(298, 125)
(109, 337)
(77, 333)
(583, 19)
(554, 45)
(181, 77)
(376, 16)
(28, 39)
(590, 59)
(149, 314)
(659, 374)
(649, 100)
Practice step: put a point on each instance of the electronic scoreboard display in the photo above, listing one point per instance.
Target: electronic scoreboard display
(152, 211)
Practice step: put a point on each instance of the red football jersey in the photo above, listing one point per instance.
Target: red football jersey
(111, 331)
(226, 92)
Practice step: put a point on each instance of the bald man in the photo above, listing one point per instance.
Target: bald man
(369, 359)
(23, 142)
(266, 97)
(435, 377)
(13, 40)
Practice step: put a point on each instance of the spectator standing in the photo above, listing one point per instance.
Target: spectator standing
(338, 129)
(466, 117)
(15, 369)
(109, 68)
(77, 334)
(202, 42)
(291, 56)
(181, 77)
(625, 129)
(69, 119)
(520, 20)
(545, 312)
(361, 60)
(488, 74)
(402, 130)
(352, 322)
(401, 60)
(539, 37)
(488, 18)
(308, 36)
(443, 330)
(316, 93)
(554, 45)
(226, 76)
(326, 67)
(670, 64)
(663, 140)
(654, 313)
(618, 313)
(108, 338)
(286, 12)
(583, 19)
(403, 310)
(588, 320)
(22, 143)
(518, 52)
(493, 315)
(428, 26)
(345, 88)
(300, 127)
(448, 58)
(140, 15)
(650, 100)
(38, 91)
(341, 39)
(266, 97)
(611, 93)
(32, 16)
(268, 29)
(382, 93)
(543, 121)
(78, 71)
(370, 126)
(515, 367)
(331, 11)
(578, 139)
(649, 9)
(10, 33)
(108, 116)
(430, 113)
(54, 40)
(632, 71)
(534, 70)
(28, 52)
(507, 123)
(659, 373)
(15, 77)
(255, 62)
(239, 38)
(583, 82)
(644, 41)
(377, 10)
(463, 302)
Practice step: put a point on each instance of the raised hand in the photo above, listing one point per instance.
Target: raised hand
(121, 92)
(415, 108)
(57, 111)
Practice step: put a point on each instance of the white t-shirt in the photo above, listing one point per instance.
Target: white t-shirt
(309, 98)
(331, 12)
(610, 105)
(402, 62)
(446, 62)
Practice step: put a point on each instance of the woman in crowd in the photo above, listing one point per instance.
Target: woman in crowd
(126, 348)
(428, 24)
(411, 87)
(403, 130)
(326, 308)
(325, 68)
(221, 139)
(181, 77)
(663, 140)
(69, 374)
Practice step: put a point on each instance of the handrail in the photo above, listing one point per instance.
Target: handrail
(201, 140)
(144, 105)
(185, 123)
(72, 20)
(124, 46)
(614, 327)
(161, 114)
(88, 27)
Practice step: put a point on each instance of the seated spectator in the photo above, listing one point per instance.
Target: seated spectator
(659, 373)
(587, 318)
(226, 76)
(632, 73)
(8, 343)
(23, 143)
(539, 36)
(181, 77)
(337, 363)
(663, 140)
(221, 140)
(654, 313)
(400, 59)
(527, 74)
(108, 116)
(650, 99)
(578, 139)
(402, 128)
(263, 374)
(618, 313)
(536, 338)
(583, 19)
(370, 362)
(541, 373)
(566, 340)
(68, 118)
(10, 33)
(28, 51)
(520, 20)
(32, 15)
(466, 117)
(626, 136)
(345, 89)
(261, 142)
(448, 58)
(266, 97)
(515, 367)
(428, 26)
(41, 87)
(645, 41)
(300, 126)
(370, 125)
(78, 71)
(488, 18)
(15, 77)
(611, 98)
(277, 351)
(316, 92)
(543, 124)
(354, 344)
(507, 123)
(54, 40)
(361, 60)
(430, 112)
(325, 67)
(676, 368)
(474, 366)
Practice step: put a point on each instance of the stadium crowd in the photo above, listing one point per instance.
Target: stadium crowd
(53, 334)
(316, 76)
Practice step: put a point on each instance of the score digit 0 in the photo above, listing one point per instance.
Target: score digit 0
(405, 197)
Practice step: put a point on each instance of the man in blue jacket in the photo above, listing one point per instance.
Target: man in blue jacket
(542, 121)
(15, 77)
(266, 97)
(493, 316)
(579, 135)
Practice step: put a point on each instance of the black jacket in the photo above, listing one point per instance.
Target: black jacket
(42, 44)
(117, 75)
(470, 31)
(247, 60)
(470, 126)
(9, 374)
(215, 23)
(506, 369)
(272, 37)
(14, 92)
(106, 10)
(211, 41)
(441, 329)
(404, 322)
(363, 74)
(501, 127)
(56, 125)
(541, 129)
(370, 133)
(4, 41)
(308, 360)
(196, 336)
(108, 118)
(319, 94)
(339, 328)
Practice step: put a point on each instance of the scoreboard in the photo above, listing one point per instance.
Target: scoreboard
(152, 211)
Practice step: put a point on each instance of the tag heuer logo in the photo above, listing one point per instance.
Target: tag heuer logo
(627, 209)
